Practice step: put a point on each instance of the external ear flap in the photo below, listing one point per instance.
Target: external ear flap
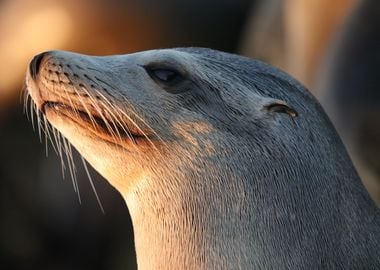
(278, 106)
(271, 105)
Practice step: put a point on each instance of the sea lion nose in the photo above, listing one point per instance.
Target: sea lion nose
(34, 65)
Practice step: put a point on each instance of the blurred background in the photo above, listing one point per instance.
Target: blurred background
(333, 47)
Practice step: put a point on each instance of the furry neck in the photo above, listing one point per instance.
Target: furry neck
(189, 227)
(237, 223)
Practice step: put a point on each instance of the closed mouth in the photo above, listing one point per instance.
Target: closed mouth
(107, 129)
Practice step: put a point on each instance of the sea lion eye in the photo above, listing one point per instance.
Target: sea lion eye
(164, 75)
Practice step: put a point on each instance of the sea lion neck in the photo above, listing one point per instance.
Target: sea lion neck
(199, 231)
(190, 222)
(178, 227)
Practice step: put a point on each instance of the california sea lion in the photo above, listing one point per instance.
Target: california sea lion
(224, 162)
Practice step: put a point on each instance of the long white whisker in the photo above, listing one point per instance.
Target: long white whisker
(65, 148)
(138, 128)
(71, 167)
(138, 117)
(119, 110)
(92, 119)
(57, 139)
(92, 185)
(32, 114)
(48, 136)
(25, 101)
(39, 124)
(99, 111)
(121, 123)
(70, 152)
(142, 120)
(26, 107)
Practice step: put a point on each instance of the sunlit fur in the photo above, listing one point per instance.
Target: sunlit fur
(214, 180)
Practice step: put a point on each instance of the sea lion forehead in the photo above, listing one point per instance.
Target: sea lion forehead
(166, 58)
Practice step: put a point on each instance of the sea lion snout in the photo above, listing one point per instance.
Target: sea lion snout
(53, 77)
(35, 64)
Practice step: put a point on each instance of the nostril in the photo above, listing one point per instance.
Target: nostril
(35, 65)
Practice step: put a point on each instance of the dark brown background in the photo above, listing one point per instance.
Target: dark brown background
(42, 224)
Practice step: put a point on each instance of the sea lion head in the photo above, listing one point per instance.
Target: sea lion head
(175, 113)
(223, 161)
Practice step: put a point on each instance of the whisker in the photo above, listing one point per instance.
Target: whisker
(26, 106)
(117, 109)
(92, 185)
(70, 169)
(39, 124)
(142, 120)
(24, 101)
(121, 123)
(58, 142)
(99, 111)
(93, 122)
(115, 119)
(138, 128)
(67, 97)
(71, 166)
(31, 114)
(135, 114)
(48, 136)
(70, 152)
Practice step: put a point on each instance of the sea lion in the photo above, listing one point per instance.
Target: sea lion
(224, 162)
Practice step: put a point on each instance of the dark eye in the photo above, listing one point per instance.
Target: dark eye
(164, 75)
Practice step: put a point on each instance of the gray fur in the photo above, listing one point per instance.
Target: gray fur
(231, 185)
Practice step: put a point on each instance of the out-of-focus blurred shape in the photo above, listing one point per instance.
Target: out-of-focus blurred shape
(310, 25)
(263, 37)
(25, 34)
(350, 90)
(29, 27)
(293, 34)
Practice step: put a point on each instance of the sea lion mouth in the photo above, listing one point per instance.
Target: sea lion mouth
(99, 125)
